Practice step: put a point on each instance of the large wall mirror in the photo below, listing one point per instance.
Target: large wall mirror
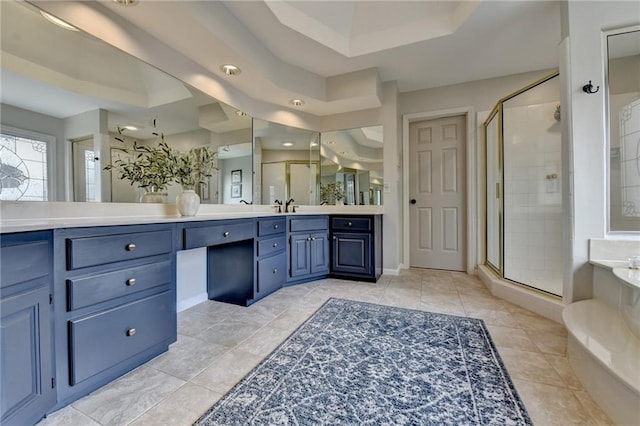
(287, 164)
(71, 103)
(343, 167)
(352, 166)
(623, 49)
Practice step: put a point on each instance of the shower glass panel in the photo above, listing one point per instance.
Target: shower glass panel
(494, 183)
(526, 155)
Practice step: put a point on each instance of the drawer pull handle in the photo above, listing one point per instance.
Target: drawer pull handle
(275, 244)
(131, 282)
(349, 224)
(131, 332)
(226, 234)
(313, 238)
(335, 238)
(308, 238)
(275, 270)
(275, 226)
(130, 247)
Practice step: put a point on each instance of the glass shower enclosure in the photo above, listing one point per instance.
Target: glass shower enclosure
(523, 187)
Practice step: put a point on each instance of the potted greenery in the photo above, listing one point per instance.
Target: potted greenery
(150, 167)
(331, 193)
(192, 169)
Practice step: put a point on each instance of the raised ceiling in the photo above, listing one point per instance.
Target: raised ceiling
(325, 52)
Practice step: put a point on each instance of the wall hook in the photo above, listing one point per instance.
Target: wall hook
(588, 88)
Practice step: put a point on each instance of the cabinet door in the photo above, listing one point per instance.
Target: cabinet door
(351, 253)
(26, 379)
(299, 255)
(319, 252)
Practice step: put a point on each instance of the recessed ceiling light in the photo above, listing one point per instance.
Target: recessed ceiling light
(296, 102)
(230, 69)
(241, 113)
(287, 144)
(59, 22)
(314, 144)
(331, 143)
(126, 2)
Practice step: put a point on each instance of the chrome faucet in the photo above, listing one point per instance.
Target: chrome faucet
(288, 203)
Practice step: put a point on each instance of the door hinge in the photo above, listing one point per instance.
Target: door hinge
(53, 383)
(50, 298)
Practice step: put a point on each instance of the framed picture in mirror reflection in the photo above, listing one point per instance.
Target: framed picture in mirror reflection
(236, 190)
(236, 176)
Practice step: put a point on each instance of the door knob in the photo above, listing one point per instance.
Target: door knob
(413, 201)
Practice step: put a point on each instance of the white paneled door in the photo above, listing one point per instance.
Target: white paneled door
(437, 193)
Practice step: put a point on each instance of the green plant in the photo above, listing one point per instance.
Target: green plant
(331, 192)
(148, 166)
(193, 167)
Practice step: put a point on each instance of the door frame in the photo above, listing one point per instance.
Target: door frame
(472, 179)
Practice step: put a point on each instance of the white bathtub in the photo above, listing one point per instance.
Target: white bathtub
(604, 339)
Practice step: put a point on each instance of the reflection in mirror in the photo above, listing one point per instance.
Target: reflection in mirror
(624, 126)
(287, 163)
(351, 167)
(71, 105)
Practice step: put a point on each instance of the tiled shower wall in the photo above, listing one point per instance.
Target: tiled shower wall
(532, 196)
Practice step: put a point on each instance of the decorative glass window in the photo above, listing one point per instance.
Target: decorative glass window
(23, 168)
(90, 175)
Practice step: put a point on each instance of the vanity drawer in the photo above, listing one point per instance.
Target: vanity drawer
(272, 273)
(24, 262)
(271, 226)
(99, 250)
(87, 291)
(101, 341)
(309, 224)
(204, 236)
(271, 245)
(361, 224)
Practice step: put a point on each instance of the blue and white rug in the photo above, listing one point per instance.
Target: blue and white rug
(355, 363)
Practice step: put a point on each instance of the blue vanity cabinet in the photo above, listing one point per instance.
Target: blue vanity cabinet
(27, 377)
(115, 303)
(271, 256)
(308, 248)
(356, 249)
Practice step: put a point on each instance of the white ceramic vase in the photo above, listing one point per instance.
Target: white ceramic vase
(188, 202)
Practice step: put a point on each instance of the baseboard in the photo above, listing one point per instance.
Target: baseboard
(183, 305)
(389, 271)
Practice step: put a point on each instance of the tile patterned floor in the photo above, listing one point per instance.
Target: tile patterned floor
(219, 343)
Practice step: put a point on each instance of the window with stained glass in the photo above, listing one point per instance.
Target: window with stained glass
(23, 168)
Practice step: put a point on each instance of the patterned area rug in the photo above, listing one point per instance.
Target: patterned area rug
(354, 363)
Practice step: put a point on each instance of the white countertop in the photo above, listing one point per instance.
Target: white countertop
(609, 264)
(35, 216)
